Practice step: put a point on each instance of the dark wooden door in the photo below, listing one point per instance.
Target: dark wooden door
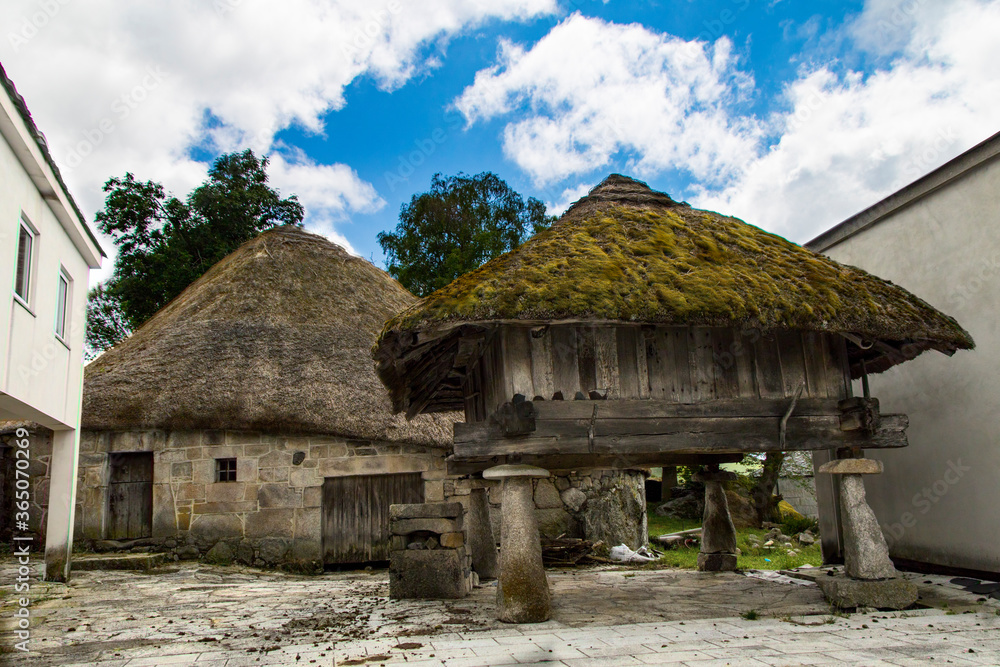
(130, 496)
(356, 514)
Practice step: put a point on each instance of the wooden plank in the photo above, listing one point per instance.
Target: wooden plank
(565, 368)
(587, 358)
(659, 364)
(840, 381)
(517, 362)
(702, 364)
(592, 461)
(628, 368)
(541, 363)
(727, 382)
(816, 354)
(767, 364)
(683, 388)
(793, 363)
(355, 514)
(641, 364)
(746, 370)
(606, 353)
(701, 436)
(660, 409)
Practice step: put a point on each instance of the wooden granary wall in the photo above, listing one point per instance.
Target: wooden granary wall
(674, 363)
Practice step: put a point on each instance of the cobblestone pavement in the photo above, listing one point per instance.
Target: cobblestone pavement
(193, 613)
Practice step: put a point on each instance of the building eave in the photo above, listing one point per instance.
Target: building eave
(968, 161)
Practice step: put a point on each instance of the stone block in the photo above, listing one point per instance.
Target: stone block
(183, 439)
(317, 452)
(246, 469)
(224, 492)
(866, 555)
(224, 508)
(553, 522)
(452, 540)
(433, 475)
(434, 491)
(180, 471)
(302, 477)
(546, 495)
(272, 550)
(203, 471)
(95, 460)
(308, 524)
(278, 496)
(275, 459)
(213, 437)
(425, 511)
(846, 593)
(272, 474)
(256, 450)
(312, 496)
(852, 467)
(718, 562)
(270, 523)
(164, 518)
(439, 526)
(427, 575)
(210, 528)
(242, 438)
(183, 519)
(573, 498)
(193, 453)
(304, 550)
(223, 451)
(191, 491)
(220, 554)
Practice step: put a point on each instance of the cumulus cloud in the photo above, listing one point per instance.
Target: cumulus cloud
(591, 89)
(848, 140)
(119, 85)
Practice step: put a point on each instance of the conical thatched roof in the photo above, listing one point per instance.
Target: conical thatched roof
(625, 253)
(276, 337)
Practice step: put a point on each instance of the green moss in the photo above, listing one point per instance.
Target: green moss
(671, 264)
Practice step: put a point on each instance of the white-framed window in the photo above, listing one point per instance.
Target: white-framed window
(62, 305)
(25, 262)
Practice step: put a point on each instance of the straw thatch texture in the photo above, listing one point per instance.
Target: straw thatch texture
(273, 338)
(626, 253)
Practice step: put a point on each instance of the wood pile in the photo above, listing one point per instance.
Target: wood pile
(572, 552)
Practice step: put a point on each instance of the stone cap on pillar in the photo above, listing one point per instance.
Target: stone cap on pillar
(852, 467)
(714, 476)
(510, 470)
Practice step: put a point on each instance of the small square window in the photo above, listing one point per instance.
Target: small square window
(61, 305)
(225, 470)
(22, 280)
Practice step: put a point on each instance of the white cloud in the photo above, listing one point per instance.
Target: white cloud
(119, 85)
(568, 197)
(850, 140)
(590, 89)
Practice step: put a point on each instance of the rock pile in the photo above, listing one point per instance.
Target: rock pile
(429, 558)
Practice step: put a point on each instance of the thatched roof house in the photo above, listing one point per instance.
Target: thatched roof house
(273, 338)
(627, 254)
(245, 417)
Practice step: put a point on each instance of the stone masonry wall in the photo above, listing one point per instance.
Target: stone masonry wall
(39, 459)
(271, 514)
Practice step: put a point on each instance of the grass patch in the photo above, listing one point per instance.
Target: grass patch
(750, 558)
(750, 615)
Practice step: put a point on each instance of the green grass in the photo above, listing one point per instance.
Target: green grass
(751, 558)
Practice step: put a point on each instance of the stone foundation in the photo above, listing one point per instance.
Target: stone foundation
(429, 559)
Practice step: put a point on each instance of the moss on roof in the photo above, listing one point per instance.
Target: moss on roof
(627, 253)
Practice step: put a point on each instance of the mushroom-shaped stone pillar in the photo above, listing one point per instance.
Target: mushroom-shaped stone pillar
(718, 535)
(871, 577)
(481, 541)
(522, 589)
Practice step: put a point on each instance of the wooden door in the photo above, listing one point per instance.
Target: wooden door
(130, 496)
(356, 514)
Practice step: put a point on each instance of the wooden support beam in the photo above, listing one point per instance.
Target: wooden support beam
(682, 435)
(590, 462)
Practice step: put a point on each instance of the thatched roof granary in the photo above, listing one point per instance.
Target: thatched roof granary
(273, 338)
(626, 254)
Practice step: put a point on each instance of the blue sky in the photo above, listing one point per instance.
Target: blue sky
(790, 115)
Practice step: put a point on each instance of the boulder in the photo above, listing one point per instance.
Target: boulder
(741, 509)
(220, 554)
(546, 495)
(690, 505)
(573, 498)
(272, 550)
(617, 513)
(805, 539)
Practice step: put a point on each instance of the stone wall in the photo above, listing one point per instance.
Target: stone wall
(598, 505)
(39, 458)
(270, 514)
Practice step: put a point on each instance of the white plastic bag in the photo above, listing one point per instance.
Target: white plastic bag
(623, 554)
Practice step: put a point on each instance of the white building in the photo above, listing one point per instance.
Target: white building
(939, 237)
(46, 253)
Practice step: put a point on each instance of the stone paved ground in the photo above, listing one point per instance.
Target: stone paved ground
(213, 616)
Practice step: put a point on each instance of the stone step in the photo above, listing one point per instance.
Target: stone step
(118, 562)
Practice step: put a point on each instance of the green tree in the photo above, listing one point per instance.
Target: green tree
(165, 244)
(458, 225)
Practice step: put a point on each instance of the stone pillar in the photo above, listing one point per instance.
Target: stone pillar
(62, 505)
(522, 589)
(480, 531)
(718, 535)
(871, 579)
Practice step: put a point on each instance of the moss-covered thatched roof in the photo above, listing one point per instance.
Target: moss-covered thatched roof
(276, 337)
(625, 253)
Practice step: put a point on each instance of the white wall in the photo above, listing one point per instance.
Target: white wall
(939, 499)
